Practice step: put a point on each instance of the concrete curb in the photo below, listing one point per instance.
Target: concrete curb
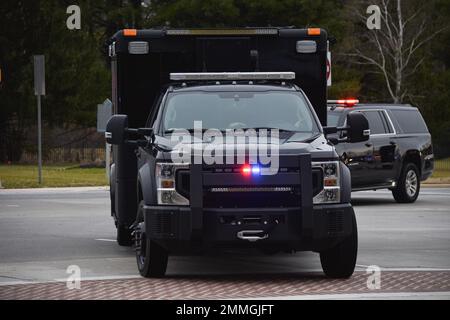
(53, 190)
(435, 185)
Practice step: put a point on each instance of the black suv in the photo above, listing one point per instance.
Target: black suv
(398, 155)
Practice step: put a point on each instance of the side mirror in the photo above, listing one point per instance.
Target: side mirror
(331, 131)
(357, 127)
(116, 129)
(117, 132)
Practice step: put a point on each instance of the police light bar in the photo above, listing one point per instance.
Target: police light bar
(346, 102)
(232, 76)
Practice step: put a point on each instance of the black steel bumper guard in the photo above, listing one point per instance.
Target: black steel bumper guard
(304, 227)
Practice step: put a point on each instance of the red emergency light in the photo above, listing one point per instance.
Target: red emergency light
(348, 102)
(248, 170)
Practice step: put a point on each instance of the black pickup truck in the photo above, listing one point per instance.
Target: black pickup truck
(398, 155)
(234, 81)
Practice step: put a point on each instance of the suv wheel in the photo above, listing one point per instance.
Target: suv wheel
(408, 186)
(151, 258)
(124, 237)
(340, 261)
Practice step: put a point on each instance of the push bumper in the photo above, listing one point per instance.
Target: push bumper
(299, 227)
(176, 229)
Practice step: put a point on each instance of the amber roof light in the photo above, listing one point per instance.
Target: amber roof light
(130, 32)
(313, 31)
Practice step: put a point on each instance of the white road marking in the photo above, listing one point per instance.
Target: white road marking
(103, 278)
(106, 240)
(436, 193)
(409, 210)
(423, 192)
(124, 277)
(405, 269)
(350, 296)
(405, 229)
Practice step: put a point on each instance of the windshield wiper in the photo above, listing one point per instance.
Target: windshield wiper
(190, 130)
(266, 128)
(309, 139)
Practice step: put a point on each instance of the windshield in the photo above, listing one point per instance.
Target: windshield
(333, 118)
(239, 110)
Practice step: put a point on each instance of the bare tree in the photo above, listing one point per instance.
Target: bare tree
(393, 50)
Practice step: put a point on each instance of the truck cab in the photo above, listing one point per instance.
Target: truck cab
(229, 149)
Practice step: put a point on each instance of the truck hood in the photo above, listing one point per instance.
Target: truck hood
(318, 146)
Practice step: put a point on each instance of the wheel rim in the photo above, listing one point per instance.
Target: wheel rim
(411, 183)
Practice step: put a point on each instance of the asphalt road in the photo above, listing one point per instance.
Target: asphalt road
(43, 232)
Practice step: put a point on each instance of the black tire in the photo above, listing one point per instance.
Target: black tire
(151, 258)
(408, 186)
(340, 261)
(113, 206)
(124, 237)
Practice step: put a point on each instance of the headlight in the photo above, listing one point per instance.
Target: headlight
(166, 185)
(331, 192)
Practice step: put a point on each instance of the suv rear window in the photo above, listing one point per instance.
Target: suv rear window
(410, 121)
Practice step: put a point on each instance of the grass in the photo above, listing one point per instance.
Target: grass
(441, 174)
(442, 168)
(25, 176)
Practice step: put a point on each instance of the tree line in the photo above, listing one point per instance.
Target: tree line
(405, 61)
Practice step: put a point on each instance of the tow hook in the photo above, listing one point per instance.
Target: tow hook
(252, 235)
(255, 235)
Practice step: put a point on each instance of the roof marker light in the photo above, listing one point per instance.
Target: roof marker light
(314, 31)
(130, 32)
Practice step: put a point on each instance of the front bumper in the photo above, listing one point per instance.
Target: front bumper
(182, 230)
(427, 167)
(302, 226)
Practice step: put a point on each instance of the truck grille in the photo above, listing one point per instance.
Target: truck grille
(253, 199)
(249, 196)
